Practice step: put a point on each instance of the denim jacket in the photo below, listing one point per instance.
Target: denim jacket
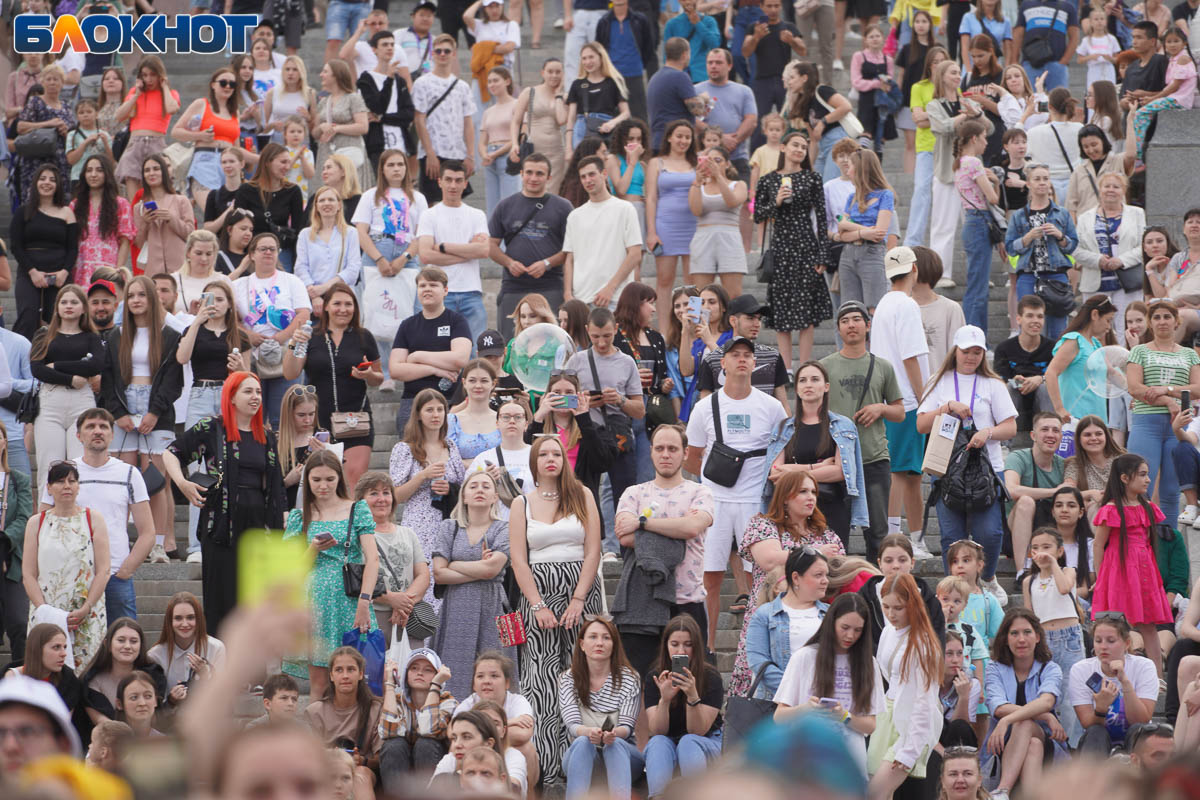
(769, 641)
(1018, 226)
(845, 435)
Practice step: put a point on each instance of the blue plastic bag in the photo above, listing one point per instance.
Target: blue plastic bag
(374, 651)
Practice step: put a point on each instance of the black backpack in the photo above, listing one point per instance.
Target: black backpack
(970, 483)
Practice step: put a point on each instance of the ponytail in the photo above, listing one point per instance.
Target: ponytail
(965, 132)
(1061, 101)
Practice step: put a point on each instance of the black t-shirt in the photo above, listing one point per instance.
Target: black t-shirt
(540, 238)
(299, 456)
(1014, 197)
(806, 448)
(218, 200)
(210, 355)
(714, 696)
(1152, 77)
(595, 98)
(252, 462)
(772, 53)
(915, 53)
(1182, 12)
(1012, 359)
(995, 146)
(351, 392)
(227, 257)
(431, 335)
(816, 111)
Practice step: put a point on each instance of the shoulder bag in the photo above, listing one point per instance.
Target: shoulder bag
(507, 488)
(38, 143)
(617, 430)
(592, 124)
(30, 404)
(766, 262)
(524, 145)
(724, 463)
(352, 574)
(346, 424)
(996, 231)
(850, 123)
(743, 714)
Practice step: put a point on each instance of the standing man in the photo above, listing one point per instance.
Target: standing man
(581, 18)
(387, 98)
(629, 39)
(415, 42)
(770, 374)
(699, 31)
(359, 49)
(16, 354)
(864, 388)
(444, 118)
(679, 509)
(747, 418)
(772, 43)
(1045, 34)
(431, 347)
(735, 113)
(114, 490)
(670, 94)
(454, 236)
(603, 242)
(531, 226)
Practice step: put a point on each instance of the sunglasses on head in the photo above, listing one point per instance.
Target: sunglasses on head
(300, 391)
(563, 373)
(1109, 616)
(594, 617)
(959, 751)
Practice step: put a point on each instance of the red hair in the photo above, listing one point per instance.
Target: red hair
(923, 645)
(229, 416)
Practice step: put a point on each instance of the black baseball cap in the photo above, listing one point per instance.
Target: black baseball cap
(490, 343)
(429, 4)
(851, 306)
(735, 341)
(747, 304)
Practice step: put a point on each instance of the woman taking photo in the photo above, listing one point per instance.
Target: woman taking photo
(796, 292)
(598, 697)
(148, 107)
(791, 618)
(716, 198)
(978, 188)
(212, 124)
(1099, 159)
(685, 348)
(327, 251)
(545, 123)
(646, 346)
(554, 541)
(184, 650)
(1066, 376)
(597, 98)
(587, 458)
(65, 562)
(199, 258)
(386, 216)
(1041, 235)
(1110, 240)
(495, 137)
(683, 707)
(107, 227)
(123, 650)
(401, 560)
(473, 428)
(670, 221)
(469, 558)
(1018, 105)
(1044, 140)
(1128, 689)
(48, 110)
(626, 164)
(63, 357)
(162, 220)
(862, 228)
(277, 205)
(243, 452)
(338, 531)
(812, 104)
(45, 243)
(342, 120)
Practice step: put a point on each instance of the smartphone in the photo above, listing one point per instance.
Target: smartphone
(570, 401)
(1185, 398)
(366, 364)
(1096, 682)
(695, 306)
(207, 298)
(679, 664)
(1043, 106)
(52, 280)
(608, 725)
(828, 702)
(596, 396)
(323, 537)
(322, 436)
(150, 205)
(658, 249)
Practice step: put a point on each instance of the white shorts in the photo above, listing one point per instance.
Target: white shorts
(729, 523)
(717, 249)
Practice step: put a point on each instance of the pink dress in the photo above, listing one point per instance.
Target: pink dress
(101, 251)
(1131, 585)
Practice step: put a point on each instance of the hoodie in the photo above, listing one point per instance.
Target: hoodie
(410, 722)
(870, 593)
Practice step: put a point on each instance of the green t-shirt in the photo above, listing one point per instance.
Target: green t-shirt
(1021, 462)
(846, 378)
(921, 96)
(1162, 369)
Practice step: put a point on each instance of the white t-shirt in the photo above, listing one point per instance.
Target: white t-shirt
(514, 762)
(105, 490)
(456, 225)
(746, 425)
(1141, 674)
(1044, 149)
(897, 333)
(393, 136)
(796, 686)
(255, 297)
(266, 79)
(517, 464)
(515, 705)
(598, 234)
(501, 31)
(445, 126)
(398, 217)
(990, 405)
(803, 623)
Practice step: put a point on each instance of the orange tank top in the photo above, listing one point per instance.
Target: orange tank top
(223, 129)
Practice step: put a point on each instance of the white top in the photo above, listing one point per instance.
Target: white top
(746, 425)
(254, 296)
(288, 104)
(445, 125)
(554, 542)
(514, 761)
(598, 234)
(1048, 603)
(1099, 69)
(266, 79)
(139, 355)
(916, 704)
(515, 705)
(1139, 669)
(991, 404)
(398, 217)
(897, 333)
(1044, 149)
(417, 51)
(501, 31)
(516, 462)
(837, 192)
(797, 684)
(456, 225)
(1011, 108)
(803, 623)
(179, 668)
(106, 490)
(188, 289)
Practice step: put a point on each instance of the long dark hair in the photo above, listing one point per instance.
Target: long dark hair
(824, 436)
(262, 172)
(620, 137)
(572, 189)
(362, 693)
(617, 662)
(60, 193)
(696, 663)
(168, 178)
(628, 307)
(322, 458)
(103, 660)
(915, 43)
(1100, 303)
(577, 319)
(108, 196)
(1125, 465)
(861, 654)
(414, 429)
(1080, 459)
(812, 79)
(1083, 535)
(674, 326)
(664, 149)
(808, 156)
(1002, 653)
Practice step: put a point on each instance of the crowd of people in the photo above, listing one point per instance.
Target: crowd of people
(211, 290)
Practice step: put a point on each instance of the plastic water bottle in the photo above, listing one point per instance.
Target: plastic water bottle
(302, 347)
(1067, 448)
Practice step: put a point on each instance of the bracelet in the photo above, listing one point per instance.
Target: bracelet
(693, 705)
(580, 599)
(536, 607)
(435, 686)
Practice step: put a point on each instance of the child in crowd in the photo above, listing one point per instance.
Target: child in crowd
(961, 690)
(492, 682)
(341, 770)
(766, 158)
(86, 139)
(280, 699)
(953, 593)
(109, 739)
(137, 700)
(711, 138)
(297, 437)
(415, 722)
(295, 139)
(940, 315)
(515, 765)
(1099, 49)
(983, 610)
(1069, 510)
(1179, 91)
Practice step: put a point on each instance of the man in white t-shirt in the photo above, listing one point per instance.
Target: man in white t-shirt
(511, 455)
(748, 417)
(898, 336)
(603, 242)
(454, 236)
(114, 490)
(444, 119)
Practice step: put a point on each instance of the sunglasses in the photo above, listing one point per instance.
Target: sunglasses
(300, 391)
(227, 84)
(1109, 616)
(594, 617)
(561, 373)
(959, 751)
(442, 51)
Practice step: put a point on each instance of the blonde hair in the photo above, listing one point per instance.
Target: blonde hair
(287, 435)
(540, 306)
(606, 67)
(53, 69)
(939, 75)
(459, 514)
(316, 224)
(279, 87)
(195, 237)
(350, 184)
(953, 583)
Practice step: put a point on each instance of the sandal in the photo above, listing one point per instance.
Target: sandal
(738, 606)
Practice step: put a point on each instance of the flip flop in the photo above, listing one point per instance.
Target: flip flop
(738, 606)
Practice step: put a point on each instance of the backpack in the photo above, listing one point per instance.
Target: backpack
(970, 483)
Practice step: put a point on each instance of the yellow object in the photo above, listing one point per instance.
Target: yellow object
(483, 58)
(904, 10)
(271, 566)
(81, 781)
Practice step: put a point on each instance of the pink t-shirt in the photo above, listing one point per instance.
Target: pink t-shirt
(673, 504)
(970, 168)
(1185, 72)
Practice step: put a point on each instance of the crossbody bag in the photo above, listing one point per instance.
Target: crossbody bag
(346, 424)
(724, 463)
(523, 144)
(1131, 278)
(352, 574)
(617, 430)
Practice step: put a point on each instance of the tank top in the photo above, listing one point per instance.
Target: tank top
(225, 130)
(287, 104)
(1048, 603)
(638, 181)
(139, 355)
(553, 542)
(715, 212)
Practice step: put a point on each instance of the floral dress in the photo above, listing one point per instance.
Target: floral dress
(761, 529)
(797, 295)
(341, 111)
(419, 513)
(66, 563)
(101, 251)
(332, 611)
(470, 444)
(36, 110)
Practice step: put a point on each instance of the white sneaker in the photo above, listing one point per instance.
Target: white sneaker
(195, 558)
(945, 282)
(610, 557)
(1187, 517)
(389, 385)
(839, 65)
(558, 23)
(158, 555)
(852, 95)
(1000, 794)
(920, 551)
(993, 588)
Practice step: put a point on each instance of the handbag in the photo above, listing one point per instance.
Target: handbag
(524, 145)
(31, 404)
(507, 488)
(1037, 51)
(850, 123)
(352, 574)
(180, 156)
(766, 264)
(346, 424)
(511, 629)
(1058, 296)
(590, 123)
(743, 714)
(724, 463)
(996, 231)
(422, 621)
(617, 430)
(120, 142)
(39, 143)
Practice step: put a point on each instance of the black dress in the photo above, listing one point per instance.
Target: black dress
(797, 295)
(354, 349)
(806, 447)
(43, 243)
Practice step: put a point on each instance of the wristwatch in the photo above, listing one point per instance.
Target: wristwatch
(365, 596)
(546, 261)
(442, 247)
(641, 523)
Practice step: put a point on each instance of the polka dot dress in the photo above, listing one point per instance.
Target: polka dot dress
(797, 295)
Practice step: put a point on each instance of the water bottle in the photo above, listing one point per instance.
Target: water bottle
(302, 347)
(1066, 448)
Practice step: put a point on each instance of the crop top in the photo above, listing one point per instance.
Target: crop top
(226, 130)
(554, 542)
(148, 114)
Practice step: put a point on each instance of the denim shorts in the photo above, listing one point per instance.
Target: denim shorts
(342, 18)
(137, 400)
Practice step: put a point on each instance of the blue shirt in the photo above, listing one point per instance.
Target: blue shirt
(735, 102)
(623, 49)
(701, 37)
(665, 96)
(16, 355)
(1000, 30)
(878, 200)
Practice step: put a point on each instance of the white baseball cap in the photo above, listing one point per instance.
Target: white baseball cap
(899, 261)
(25, 691)
(970, 336)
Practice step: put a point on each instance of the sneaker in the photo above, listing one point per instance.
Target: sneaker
(558, 23)
(158, 555)
(195, 558)
(920, 551)
(1187, 517)
(1000, 794)
(852, 95)
(839, 65)
(993, 588)
(945, 282)
(389, 385)
(610, 557)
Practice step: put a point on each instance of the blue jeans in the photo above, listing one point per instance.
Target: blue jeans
(622, 763)
(917, 230)
(580, 130)
(743, 21)
(18, 456)
(979, 266)
(1186, 457)
(287, 260)
(470, 305)
(1151, 438)
(120, 599)
(1066, 649)
(692, 753)
(1054, 325)
(273, 390)
(341, 19)
(987, 528)
(825, 166)
(1056, 74)
(645, 467)
(497, 183)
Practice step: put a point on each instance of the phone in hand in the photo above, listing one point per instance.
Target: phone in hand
(150, 205)
(569, 401)
(1095, 683)
(1043, 106)
(1185, 398)
(322, 436)
(207, 298)
(608, 725)
(679, 663)
(322, 538)
(658, 249)
(695, 307)
(828, 702)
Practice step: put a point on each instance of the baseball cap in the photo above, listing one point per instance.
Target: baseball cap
(970, 336)
(851, 306)
(492, 2)
(735, 341)
(429, 4)
(41, 695)
(107, 286)
(747, 304)
(899, 261)
(490, 343)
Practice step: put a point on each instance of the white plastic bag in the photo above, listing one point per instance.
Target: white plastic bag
(399, 651)
(387, 301)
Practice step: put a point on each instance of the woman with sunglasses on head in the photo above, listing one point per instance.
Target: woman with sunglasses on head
(212, 125)
(962, 778)
(563, 413)
(1124, 694)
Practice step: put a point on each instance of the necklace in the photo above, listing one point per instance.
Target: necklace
(547, 495)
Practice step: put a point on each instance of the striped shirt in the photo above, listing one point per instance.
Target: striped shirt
(1160, 368)
(625, 700)
(769, 370)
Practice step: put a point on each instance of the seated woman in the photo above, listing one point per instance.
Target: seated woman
(123, 651)
(185, 651)
(1022, 687)
(598, 698)
(137, 700)
(348, 716)
(514, 763)
(415, 722)
(494, 677)
(683, 696)
(791, 618)
(961, 692)
(45, 660)
(1112, 691)
(468, 731)
(962, 779)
